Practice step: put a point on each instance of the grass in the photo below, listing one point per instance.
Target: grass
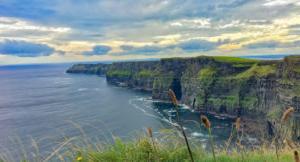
(118, 73)
(236, 61)
(256, 70)
(146, 74)
(206, 73)
(166, 146)
(142, 150)
(229, 59)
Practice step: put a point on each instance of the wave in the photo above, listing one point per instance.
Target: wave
(159, 116)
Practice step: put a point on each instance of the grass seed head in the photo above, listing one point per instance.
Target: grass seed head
(205, 121)
(296, 156)
(287, 113)
(173, 97)
(149, 131)
(238, 124)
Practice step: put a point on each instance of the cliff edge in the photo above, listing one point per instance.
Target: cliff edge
(219, 84)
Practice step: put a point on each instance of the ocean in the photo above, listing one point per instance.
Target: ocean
(41, 106)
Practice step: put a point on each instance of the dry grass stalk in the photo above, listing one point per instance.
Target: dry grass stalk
(286, 115)
(175, 102)
(237, 127)
(296, 156)
(173, 97)
(149, 131)
(150, 134)
(205, 121)
(238, 124)
(207, 125)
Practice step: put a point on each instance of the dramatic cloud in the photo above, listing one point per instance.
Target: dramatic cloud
(24, 49)
(98, 50)
(114, 29)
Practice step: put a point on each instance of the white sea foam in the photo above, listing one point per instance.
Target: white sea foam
(197, 134)
(159, 115)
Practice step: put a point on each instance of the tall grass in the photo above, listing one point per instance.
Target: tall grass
(282, 130)
(167, 147)
(207, 125)
(142, 150)
(175, 103)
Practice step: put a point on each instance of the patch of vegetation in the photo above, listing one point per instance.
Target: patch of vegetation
(118, 73)
(275, 112)
(163, 81)
(227, 101)
(249, 102)
(145, 150)
(228, 59)
(236, 61)
(257, 71)
(296, 89)
(206, 73)
(215, 102)
(296, 69)
(206, 77)
(146, 74)
(200, 98)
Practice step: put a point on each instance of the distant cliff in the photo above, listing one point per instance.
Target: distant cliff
(99, 69)
(219, 84)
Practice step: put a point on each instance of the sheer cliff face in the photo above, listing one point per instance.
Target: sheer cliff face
(220, 84)
(138, 75)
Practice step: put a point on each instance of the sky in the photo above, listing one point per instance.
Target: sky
(52, 31)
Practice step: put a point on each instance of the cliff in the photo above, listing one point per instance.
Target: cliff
(99, 69)
(218, 84)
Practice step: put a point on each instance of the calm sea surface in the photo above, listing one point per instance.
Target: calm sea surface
(42, 104)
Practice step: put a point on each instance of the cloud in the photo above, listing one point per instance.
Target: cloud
(265, 44)
(7, 23)
(186, 46)
(147, 49)
(191, 23)
(94, 13)
(273, 44)
(127, 47)
(152, 27)
(271, 3)
(197, 45)
(98, 50)
(24, 49)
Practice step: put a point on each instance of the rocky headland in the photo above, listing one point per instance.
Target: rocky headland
(222, 85)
